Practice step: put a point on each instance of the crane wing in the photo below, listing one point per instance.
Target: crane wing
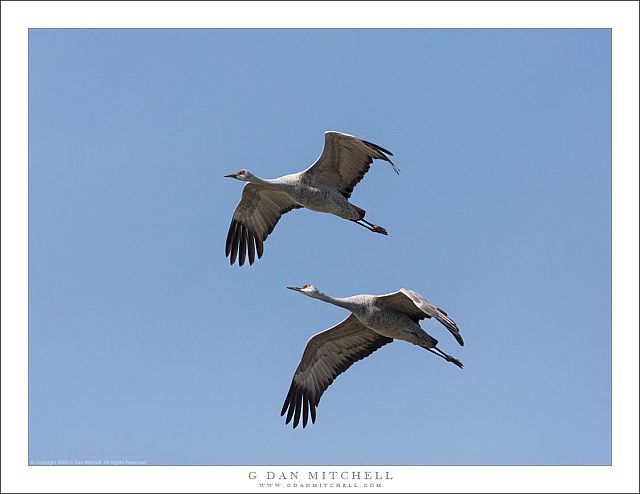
(253, 220)
(345, 159)
(326, 356)
(417, 307)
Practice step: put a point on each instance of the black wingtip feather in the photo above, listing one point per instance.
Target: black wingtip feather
(298, 406)
(456, 333)
(251, 247)
(286, 401)
(384, 152)
(259, 246)
(305, 410)
(227, 247)
(243, 245)
(379, 148)
(291, 405)
(451, 326)
(234, 244)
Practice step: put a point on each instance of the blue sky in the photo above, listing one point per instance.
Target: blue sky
(144, 344)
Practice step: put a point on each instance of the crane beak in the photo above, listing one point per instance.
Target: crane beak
(231, 175)
(294, 288)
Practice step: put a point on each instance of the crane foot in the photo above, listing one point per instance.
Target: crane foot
(455, 361)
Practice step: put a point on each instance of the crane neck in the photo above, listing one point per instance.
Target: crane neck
(345, 303)
(271, 184)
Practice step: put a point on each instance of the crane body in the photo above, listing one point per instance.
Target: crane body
(324, 187)
(375, 321)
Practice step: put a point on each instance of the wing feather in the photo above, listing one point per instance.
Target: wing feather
(251, 246)
(230, 236)
(326, 356)
(236, 241)
(253, 220)
(417, 307)
(344, 161)
(243, 244)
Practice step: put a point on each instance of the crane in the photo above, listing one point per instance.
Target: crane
(375, 320)
(325, 187)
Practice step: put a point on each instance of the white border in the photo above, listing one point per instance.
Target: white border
(622, 17)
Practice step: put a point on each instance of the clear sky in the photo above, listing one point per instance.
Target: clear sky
(144, 344)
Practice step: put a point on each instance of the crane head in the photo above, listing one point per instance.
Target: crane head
(306, 289)
(242, 175)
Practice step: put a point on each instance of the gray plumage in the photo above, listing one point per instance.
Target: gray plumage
(375, 320)
(325, 186)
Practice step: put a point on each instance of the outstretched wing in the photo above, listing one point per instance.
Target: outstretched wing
(345, 159)
(326, 356)
(417, 307)
(253, 220)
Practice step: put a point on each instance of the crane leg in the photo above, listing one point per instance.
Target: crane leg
(371, 226)
(447, 357)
